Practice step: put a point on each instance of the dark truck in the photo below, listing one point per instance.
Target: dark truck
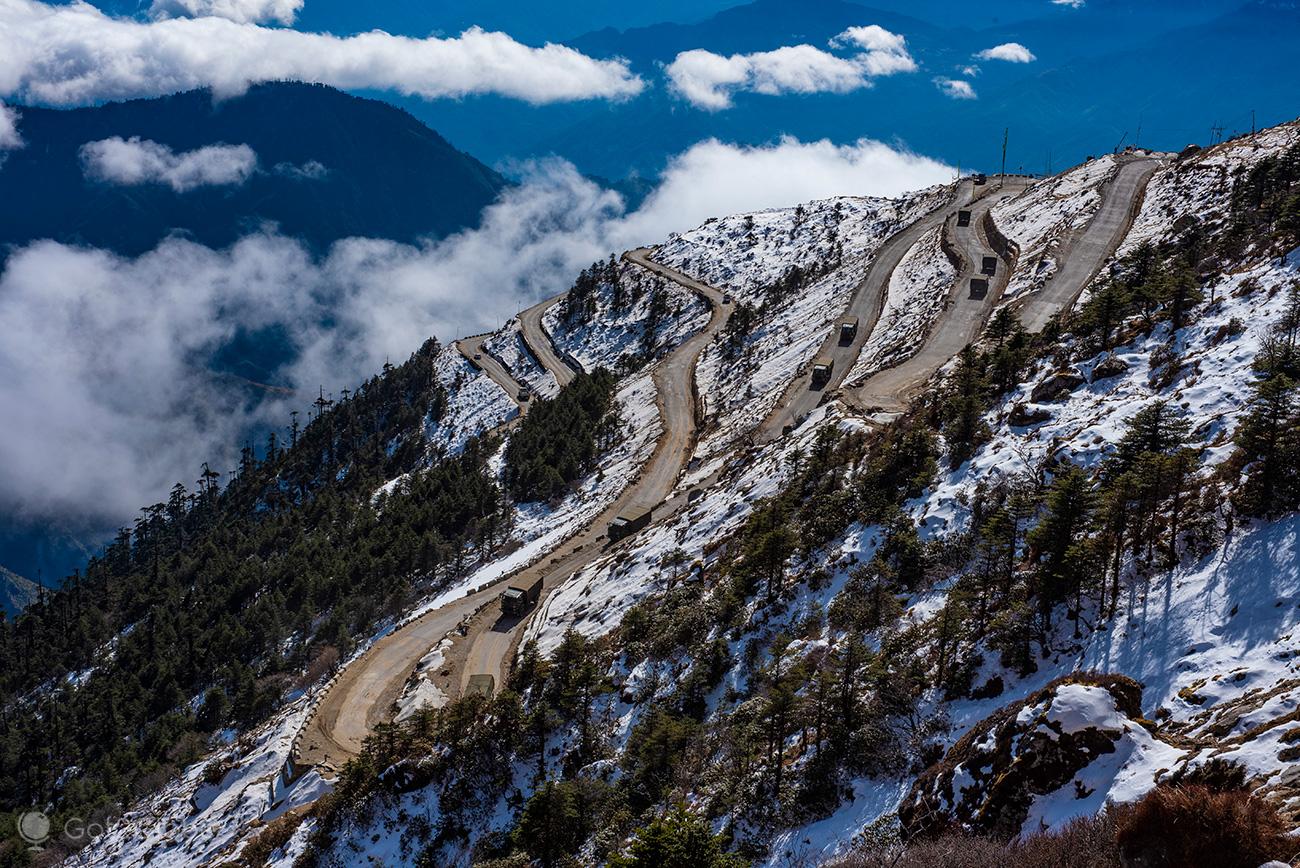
(848, 330)
(979, 288)
(628, 522)
(821, 371)
(963, 218)
(990, 265)
(517, 601)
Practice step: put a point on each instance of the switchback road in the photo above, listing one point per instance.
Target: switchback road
(1084, 257)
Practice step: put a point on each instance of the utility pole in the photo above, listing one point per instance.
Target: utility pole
(1252, 123)
(1049, 162)
(1005, 134)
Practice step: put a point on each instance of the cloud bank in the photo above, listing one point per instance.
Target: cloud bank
(709, 81)
(1011, 52)
(242, 11)
(137, 161)
(106, 360)
(75, 54)
(955, 88)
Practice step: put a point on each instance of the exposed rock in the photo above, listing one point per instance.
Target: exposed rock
(1109, 367)
(1022, 415)
(989, 779)
(1056, 384)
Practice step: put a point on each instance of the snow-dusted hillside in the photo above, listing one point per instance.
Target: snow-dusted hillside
(841, 573)
(1041, 220)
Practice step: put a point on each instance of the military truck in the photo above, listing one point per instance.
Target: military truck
(628, 522)
(963, 218)
(979, 288)
(848, 330)
(821, 371)
(990, 266)
(483, 685)
(516, 600)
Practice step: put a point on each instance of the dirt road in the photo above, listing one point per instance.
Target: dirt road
(364, 693)
(1084, 257)
(801, 396)
(539, 341)
(493, 641)
(960, 323)
(472, 349)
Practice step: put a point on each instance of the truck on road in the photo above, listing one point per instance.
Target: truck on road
(848, 330)
(483, 685)
(990, 265)
(516, 600)
(821, 371)
(979, 288)
(628, 522)
(963, 218)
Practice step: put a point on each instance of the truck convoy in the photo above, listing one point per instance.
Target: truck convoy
(517, 601)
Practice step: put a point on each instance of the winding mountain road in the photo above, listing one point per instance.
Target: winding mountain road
(539, 340)
(801, 396)
(960, 323)
(364, 692)
(1085, 256)
(472, 349)
(493, 644)
(362, 695)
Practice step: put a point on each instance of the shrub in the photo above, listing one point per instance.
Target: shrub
(1192, 825)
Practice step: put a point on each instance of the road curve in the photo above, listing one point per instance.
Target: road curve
(539, 341)
(472, 349)
(801, 397)
(364, 692)
(674, 377)
(1121, 199)
(960, 322)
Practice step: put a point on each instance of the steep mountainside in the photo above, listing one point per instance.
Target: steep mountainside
(328, 166)
(1057, 577)
(16, 593)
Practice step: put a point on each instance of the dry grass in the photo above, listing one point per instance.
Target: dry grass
(1192, 826)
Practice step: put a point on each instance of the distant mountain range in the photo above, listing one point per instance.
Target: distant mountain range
(1107, 71)
(329, 165)
(16, 593)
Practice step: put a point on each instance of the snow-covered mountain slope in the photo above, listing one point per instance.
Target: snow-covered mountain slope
(622, 316)
(852, 622)
(1039, 221)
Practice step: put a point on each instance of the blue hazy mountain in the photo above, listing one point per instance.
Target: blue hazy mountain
(1175, 68)
(16, 592)
(374, 171)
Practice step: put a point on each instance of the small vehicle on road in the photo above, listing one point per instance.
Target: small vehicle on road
(990, 266)
(821, 371)
(516, 600)
(848, 330)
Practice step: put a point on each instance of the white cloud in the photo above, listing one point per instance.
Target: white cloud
(970, 71)
(1012, 52)
(885, 52)
(955, 88)
(137, 161)
(103, 370)
(243, 11)
(75, 54)
(9, 137)
(709, 80)
(1073, 4)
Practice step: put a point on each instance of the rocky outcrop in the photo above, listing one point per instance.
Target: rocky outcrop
(990, 778)
(1056, 385)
